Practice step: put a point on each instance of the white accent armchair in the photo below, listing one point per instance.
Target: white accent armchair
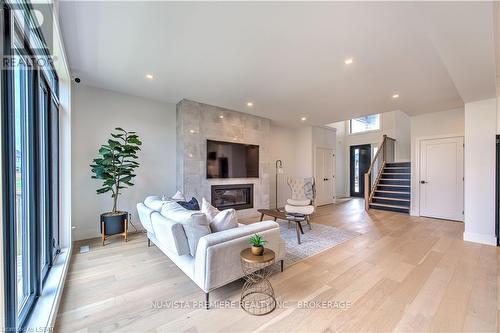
(303, 192)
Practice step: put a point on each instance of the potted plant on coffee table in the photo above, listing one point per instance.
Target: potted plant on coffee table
(257, 244)
(115, 166)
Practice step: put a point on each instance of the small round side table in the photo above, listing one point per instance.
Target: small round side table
(257, 294)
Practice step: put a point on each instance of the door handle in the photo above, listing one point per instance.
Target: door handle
(423, 182)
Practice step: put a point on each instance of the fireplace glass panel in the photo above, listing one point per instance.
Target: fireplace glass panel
(232, 196)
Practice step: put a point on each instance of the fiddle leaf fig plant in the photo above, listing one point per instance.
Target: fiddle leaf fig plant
(116, 163)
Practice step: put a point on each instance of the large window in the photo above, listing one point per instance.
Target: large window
(30, 158)
(364, 124)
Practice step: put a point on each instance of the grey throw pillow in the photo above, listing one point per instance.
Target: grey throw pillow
(197, 227)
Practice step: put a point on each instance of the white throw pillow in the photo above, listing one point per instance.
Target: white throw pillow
(225, 220)
(209, 210)
(197, 227)
(178, 196)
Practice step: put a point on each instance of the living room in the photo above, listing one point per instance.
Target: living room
(250, 166)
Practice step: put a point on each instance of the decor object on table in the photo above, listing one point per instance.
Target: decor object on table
(257, 294)
(303, 192)
(217, 256)
(279, 171)
(257, 244)
(115, 167)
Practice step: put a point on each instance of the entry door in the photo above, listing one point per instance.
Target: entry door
(442, 178)
(360, 163)
(324, 176)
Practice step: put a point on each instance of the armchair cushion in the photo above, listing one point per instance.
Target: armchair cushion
(306, 210)
(304, 202)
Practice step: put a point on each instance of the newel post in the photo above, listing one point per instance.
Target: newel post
(384, 148)
(367, 190)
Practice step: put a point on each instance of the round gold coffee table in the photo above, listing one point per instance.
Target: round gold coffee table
(257, 294)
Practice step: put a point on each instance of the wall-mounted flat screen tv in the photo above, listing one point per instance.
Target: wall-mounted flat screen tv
(232, 160)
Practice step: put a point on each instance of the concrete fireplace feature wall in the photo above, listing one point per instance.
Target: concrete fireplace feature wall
(197, 123)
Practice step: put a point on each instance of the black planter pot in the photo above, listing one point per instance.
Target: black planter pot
(114, 223)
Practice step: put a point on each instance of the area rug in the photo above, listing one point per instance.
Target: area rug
(317, 240)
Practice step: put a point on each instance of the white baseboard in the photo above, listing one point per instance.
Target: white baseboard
(480, 238)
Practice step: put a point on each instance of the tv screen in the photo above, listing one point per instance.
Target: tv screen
(232, 160)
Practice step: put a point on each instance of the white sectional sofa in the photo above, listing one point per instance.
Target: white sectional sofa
(217, 258)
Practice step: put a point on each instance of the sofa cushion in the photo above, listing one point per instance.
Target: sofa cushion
(175, 212)
(154, 202)
(190, 205)
(196, 228)
(225, 220)
(170, 234)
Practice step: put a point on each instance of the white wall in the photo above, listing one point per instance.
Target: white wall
(282, 148)
(429, 125)
(402, 134)
(303, 152)
(95, 113)
(480, 134)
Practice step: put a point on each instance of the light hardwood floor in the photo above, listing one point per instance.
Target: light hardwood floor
(402, 274)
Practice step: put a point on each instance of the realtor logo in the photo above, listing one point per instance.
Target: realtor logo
(35, 21)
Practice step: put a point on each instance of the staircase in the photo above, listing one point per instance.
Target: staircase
(392, 189)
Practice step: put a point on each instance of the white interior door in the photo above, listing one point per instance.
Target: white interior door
(325, 176)
(441, 183)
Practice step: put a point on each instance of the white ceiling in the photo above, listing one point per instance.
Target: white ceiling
(287, 58)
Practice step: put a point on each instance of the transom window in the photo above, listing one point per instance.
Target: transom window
(364, 124)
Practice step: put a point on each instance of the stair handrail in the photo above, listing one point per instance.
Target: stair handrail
(382, 156)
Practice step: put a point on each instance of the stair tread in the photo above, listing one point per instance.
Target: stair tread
(396, 167)
(393, 185)
(394, 192)
(389, 206)
(393, 199)
(395, 179)
(396, 173)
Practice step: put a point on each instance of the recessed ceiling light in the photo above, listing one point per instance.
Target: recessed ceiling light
(348, 61)
(149, 76)
(250, 104)
(221, 117)
(191, 131)
(395, 96)
(303, 118)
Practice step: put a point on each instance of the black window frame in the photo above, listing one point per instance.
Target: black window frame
(11, 31)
